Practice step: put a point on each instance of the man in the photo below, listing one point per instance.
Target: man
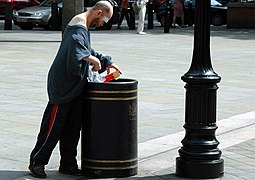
(66, 80)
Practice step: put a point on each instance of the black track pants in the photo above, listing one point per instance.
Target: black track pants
(60, 123)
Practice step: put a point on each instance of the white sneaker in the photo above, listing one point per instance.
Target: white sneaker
(141, 33)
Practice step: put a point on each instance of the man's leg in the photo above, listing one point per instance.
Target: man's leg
(141, 19)
(127, 17)
(174, 19)
(121, 18)
(50, 131)
(70, 138)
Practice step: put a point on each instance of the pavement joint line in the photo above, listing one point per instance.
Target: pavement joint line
(165, 149)
(227, 130)
(236, 137)
(166, 159)
(236, 129)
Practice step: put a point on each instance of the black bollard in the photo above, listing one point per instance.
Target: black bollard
(55, 20)
(190, 14)
(199, 155)
(167, 17)
(150, 15)
(8, 16)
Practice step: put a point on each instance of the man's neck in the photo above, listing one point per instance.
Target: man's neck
(81, 19)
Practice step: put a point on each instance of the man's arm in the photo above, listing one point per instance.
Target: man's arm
(105, 61)
(97, 65)
(95, 61)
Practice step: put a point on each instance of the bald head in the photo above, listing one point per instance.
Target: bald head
(104, 6)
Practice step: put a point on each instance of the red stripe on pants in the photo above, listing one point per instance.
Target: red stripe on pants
(52, 119)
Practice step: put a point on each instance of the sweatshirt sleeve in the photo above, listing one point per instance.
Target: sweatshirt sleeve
(105, 60)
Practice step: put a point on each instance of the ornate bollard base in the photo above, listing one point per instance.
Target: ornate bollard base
(193, 169)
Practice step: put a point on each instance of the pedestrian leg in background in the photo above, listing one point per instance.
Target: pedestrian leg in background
(141, 20)
(131, 17)
(124, 12)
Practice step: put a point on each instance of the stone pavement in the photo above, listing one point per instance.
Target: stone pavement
(157, 61)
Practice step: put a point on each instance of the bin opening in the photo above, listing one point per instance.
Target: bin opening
(122, 80)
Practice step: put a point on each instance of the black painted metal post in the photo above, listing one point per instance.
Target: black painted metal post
(55, 21)
(199, 155)
(8, 16)
(150, 15)
(190, 14)
(167, 17)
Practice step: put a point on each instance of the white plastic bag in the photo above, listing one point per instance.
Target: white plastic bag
(94, 76)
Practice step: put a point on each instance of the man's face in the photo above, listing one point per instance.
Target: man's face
(100, 20)
(95, 23)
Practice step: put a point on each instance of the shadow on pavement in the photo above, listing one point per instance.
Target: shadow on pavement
(54, 175)
(8, 175)
(26, 175)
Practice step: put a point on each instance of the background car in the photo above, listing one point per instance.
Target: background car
(35, 16)
(40, 16)
(218, 13)
(16, 5)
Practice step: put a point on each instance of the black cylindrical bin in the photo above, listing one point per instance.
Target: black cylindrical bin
(109, 131)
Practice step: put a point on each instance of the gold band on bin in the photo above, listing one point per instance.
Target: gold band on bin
(111, 168)
(111, 98)
(110, 161)
(113, 92)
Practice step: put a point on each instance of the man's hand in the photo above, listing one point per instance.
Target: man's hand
(96, 65)
(95, 61)
(114, 66)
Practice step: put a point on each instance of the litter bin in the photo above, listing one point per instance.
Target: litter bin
(109, 131)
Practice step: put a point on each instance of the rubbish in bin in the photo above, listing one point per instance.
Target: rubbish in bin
(112, 76)
(94, 76)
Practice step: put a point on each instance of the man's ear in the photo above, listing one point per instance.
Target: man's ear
(99, 12)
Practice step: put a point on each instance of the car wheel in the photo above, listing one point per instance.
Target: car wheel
(26, 27)
(217, 20)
